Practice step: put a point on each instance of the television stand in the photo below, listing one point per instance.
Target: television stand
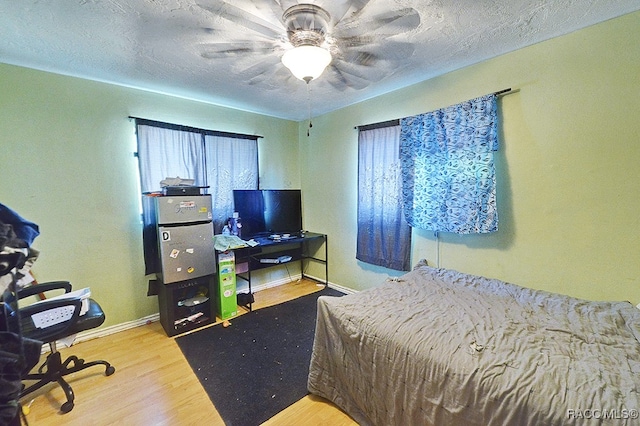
(271, 252)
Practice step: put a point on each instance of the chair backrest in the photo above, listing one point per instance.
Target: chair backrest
(48, 320)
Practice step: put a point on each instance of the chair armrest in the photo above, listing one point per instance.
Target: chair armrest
(44, 287)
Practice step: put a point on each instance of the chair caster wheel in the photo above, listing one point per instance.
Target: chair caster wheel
(66, 407)
(110, 370)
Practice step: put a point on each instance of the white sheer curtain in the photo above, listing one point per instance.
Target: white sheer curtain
(166, 153)
(384, 237)
(232, 163)
(221, 161)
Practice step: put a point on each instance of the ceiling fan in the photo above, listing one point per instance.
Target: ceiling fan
(358, 41)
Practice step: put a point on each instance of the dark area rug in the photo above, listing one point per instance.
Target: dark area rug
(259, 365)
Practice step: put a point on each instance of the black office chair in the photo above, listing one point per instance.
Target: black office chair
(54, 369)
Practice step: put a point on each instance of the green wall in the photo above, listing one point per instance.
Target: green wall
(67, 164)
(567, 170)
(569, 186)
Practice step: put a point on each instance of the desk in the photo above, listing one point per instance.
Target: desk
(311, 247)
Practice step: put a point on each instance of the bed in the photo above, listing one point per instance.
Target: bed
(441, 347)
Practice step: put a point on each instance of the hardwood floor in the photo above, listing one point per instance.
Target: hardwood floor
(154, 385)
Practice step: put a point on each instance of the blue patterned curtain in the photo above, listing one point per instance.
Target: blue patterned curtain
(447, 167)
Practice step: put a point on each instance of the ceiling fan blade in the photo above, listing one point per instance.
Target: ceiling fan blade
(352, 71)
(236, 48)
(239, 16)
(271, 80)
(268, 72)
(341, 79)
(359, 68)
(261, 65)
(370, 54)
(337, 80)
(272, 9)
(346, 10)
(361, 57)
(355, 41)
(385, 24)
(389, 51)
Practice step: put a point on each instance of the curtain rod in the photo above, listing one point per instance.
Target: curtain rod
(162, 124)
(396, 122)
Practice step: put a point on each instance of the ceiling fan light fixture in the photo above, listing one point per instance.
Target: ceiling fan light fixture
(306, 62)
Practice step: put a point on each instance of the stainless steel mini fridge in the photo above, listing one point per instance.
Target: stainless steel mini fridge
(184, 237)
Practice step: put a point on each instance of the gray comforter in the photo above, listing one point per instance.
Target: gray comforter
(444, 348)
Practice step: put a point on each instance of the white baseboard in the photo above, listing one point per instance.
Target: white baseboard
(102, 332)
(333, 285)
(342, 289)
(106, 331)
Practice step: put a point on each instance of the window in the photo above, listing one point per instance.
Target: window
(232, 163)
(221, 161)
(384, 237)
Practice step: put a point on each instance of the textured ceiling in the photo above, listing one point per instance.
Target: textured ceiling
(227, 52)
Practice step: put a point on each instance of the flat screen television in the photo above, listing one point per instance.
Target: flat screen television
(268, 211)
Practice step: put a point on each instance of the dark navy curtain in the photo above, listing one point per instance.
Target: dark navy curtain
(384, 237)
(448, 169)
